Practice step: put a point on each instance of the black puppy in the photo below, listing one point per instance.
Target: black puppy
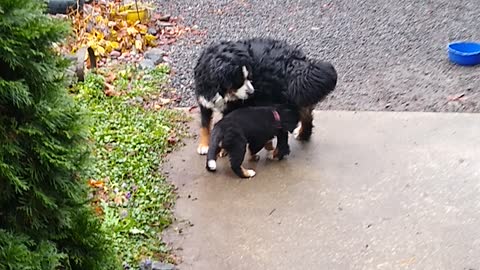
(255, 126)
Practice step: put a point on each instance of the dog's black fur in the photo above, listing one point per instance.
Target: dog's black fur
(279, 73)
(254, 126)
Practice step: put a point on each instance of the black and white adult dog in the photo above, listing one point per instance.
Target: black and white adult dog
(259, 72)
(255, 127)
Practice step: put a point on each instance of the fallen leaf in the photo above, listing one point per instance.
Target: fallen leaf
(138, 44)
(132, 31)
(143, 29)
(118, 199)
(165, 101)
(110, 90)
(98, 210)
(457, 97)
(110, 78)
(136, 231)
(95, 183)
(172, 139)
(150, 39)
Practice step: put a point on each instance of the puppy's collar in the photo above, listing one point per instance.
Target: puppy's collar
(276, 116)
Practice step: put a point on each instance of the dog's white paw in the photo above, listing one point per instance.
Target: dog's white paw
(251, 173)
(296, 132)
(212, 165)
(202, 149)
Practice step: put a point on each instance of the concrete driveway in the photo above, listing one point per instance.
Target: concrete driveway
(372, 190)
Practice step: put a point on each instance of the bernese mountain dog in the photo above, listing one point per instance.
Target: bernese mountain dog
(259, 72)
(255, 127)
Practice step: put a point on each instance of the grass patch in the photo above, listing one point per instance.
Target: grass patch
(130, 137)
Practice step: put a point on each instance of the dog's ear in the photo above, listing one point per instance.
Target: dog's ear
(226, 74)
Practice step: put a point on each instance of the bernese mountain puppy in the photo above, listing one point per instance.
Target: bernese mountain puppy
(255, 127)
(259, 72)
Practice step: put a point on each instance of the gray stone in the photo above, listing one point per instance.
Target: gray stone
(165, 18)
(162, 266)
(115, 54)
(155, 54)
(372, 49)
(146, 265)
(164, 24)
(138, 99)
(152, 31)
(146, 64)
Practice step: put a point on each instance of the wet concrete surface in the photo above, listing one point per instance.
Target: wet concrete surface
(370, 191)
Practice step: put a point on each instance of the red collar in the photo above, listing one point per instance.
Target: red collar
(276, 116)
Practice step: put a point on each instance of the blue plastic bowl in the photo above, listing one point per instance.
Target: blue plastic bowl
(464, 53)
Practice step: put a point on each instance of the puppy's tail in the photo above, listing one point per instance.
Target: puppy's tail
(310, 81)
(215, 140)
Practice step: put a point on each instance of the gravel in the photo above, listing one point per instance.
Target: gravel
(390, 55)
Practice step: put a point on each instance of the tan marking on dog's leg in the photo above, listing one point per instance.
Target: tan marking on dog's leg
(247, 173)
(273, 155)
(203, 140)
(269, 145)
(223, 153)
(254, 157)
(304, 132)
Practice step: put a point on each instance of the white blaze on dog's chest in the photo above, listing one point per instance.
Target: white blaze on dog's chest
(218, 102)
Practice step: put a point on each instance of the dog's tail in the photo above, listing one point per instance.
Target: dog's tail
(214, 148)
(310, 81)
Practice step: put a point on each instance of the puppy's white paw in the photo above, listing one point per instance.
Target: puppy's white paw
(212, 165)
(202, 149)
(251, 173)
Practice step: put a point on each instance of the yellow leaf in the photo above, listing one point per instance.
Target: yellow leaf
(138, 45)
(132, 31)
(108, 46)
(115, 45)
(142, 28)
(92, 43)
(122, 24)
(101, 50)
(111, 45)
(100, 35)
(150, 39)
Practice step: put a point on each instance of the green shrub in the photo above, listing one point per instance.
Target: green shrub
(45, 221)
